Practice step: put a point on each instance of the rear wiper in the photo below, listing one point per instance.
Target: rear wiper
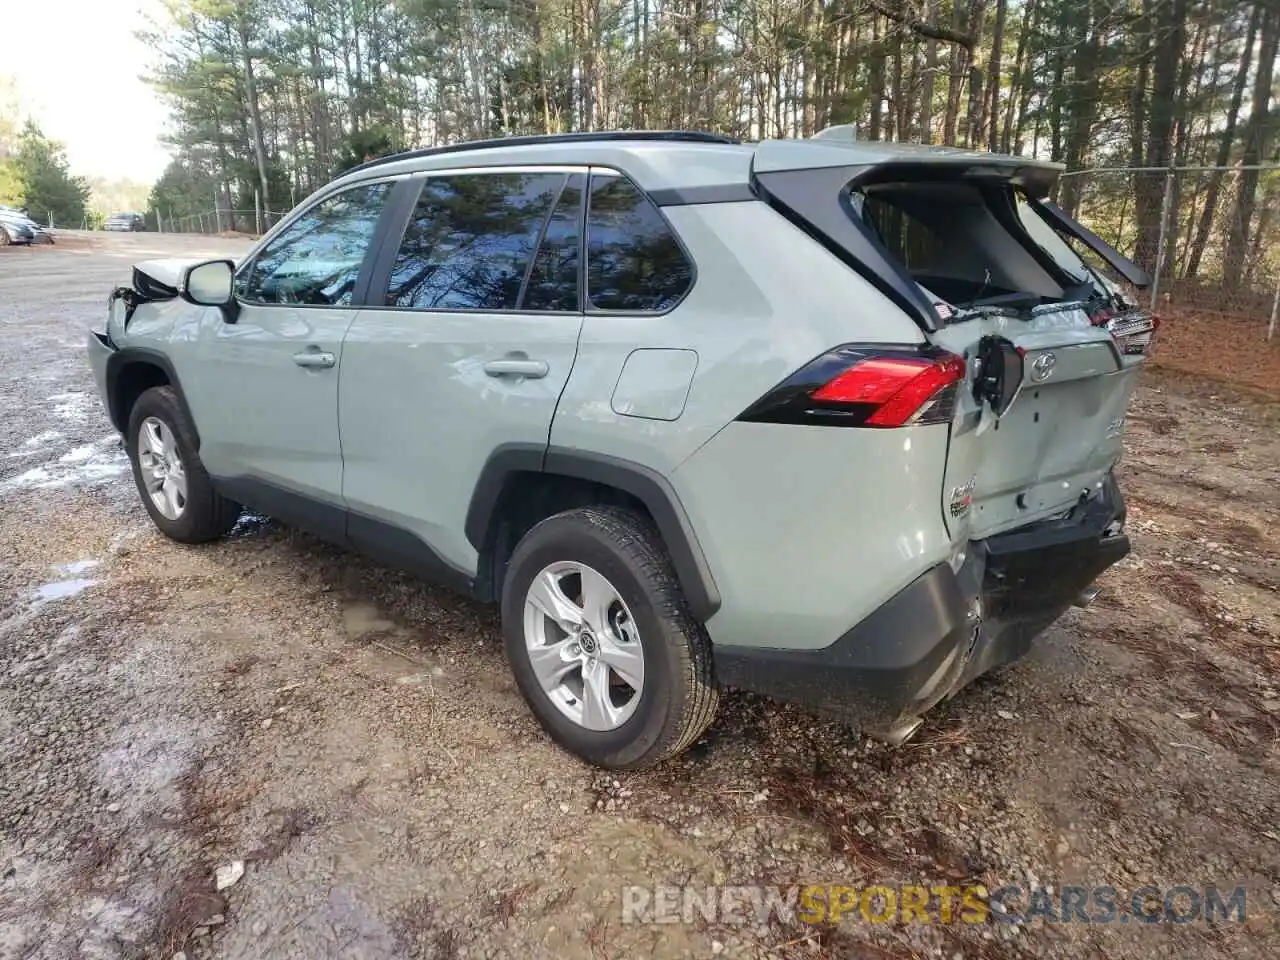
(1095, 279)
(986, 282)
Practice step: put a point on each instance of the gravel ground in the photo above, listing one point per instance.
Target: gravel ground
(353, 737)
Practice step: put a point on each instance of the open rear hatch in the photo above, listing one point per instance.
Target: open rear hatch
(965, 243)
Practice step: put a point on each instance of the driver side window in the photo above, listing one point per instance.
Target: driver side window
(315, 261)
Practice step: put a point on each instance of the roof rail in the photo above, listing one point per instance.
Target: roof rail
(686, 136)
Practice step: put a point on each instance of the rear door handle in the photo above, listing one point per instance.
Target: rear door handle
(315, 359)
(533, 369)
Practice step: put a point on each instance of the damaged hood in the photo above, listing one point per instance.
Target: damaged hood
(153, 281)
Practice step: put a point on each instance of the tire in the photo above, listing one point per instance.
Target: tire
(4, 237)
(204, 514)
(677, 698)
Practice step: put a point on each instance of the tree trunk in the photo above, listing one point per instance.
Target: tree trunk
(1254, 260)
(1167, 59)
(976, 124)
(540, 66)
(876, 80)
(959, 61)
(1023, 81)
(255, 115)
(900, 97)
(1256, 137)
(993, 77)
(1015, 79)
(930, 71)
(1225, 139)
(1058, 90)
(1138, 93)
(1083, 105)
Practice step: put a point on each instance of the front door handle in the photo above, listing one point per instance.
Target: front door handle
(513, 367)
(315, 359)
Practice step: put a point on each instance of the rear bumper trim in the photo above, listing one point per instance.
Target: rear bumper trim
(874, 670)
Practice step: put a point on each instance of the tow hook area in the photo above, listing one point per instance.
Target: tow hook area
(897, 733)
(946, 682)
(1086, 597)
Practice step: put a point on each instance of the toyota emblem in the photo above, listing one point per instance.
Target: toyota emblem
(1042, 368)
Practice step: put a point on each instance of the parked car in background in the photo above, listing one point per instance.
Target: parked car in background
(827, 421)
(17, 227)
(13, 230)
(128, 222)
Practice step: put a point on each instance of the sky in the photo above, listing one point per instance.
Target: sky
(78, 70)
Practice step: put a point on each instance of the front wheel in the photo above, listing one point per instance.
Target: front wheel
(601, 643)
(175, 489)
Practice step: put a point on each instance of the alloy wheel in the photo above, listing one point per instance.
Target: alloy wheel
(163, 473)
(583, 645)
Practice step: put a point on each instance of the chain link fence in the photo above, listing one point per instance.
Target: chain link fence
(1209, 236)
(251, 223)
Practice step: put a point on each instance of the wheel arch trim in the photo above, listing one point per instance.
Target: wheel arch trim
(126, 357)
(645, 484)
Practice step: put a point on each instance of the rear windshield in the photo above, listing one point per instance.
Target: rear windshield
(1050, 240)
(952, 243)
(1072, 256)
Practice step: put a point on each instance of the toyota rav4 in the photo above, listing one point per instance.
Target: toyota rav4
(830, 421)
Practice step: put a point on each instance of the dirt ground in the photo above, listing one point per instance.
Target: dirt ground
(354, 738)
(1221, 347)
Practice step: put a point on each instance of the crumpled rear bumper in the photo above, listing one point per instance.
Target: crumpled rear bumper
(948, 627)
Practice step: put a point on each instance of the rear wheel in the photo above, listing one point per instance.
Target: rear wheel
(175, 489)
(601, 643)
(4, 237)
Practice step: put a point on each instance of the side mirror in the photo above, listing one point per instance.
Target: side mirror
(209, 285)
(999, 374)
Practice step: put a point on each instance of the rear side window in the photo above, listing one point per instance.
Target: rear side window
(471, 239)
(316, 259)
(634, 262)
(553, 281)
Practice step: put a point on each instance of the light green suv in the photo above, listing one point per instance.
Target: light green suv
(834, 422)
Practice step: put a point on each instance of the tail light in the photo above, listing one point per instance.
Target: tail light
(1132, 332)
(855, 386)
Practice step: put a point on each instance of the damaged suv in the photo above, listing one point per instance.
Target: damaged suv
(830, 421)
